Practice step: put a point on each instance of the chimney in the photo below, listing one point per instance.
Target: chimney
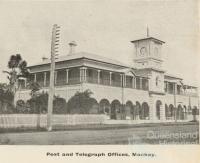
(72, 46)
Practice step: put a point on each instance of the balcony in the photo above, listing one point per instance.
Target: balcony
(92, 80)
(88, 75)
(181, 92)
(105, 81)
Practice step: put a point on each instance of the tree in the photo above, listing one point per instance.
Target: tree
(18, 68)
(6, 98)
(21, 107)
(38, 103)
(33, 102)
(35, 87)
(59, 105)
(82, 103)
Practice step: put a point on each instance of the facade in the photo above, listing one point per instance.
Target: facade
(141, 92)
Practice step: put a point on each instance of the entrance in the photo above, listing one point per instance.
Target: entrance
(115, 110)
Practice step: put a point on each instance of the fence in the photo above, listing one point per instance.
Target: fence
(36, 120)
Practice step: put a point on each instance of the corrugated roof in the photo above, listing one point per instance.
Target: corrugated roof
(172, 76)
(82, 55)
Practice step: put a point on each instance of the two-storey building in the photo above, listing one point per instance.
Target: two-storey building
(142, 92)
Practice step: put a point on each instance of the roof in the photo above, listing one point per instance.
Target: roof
(172, 76)
(149, 38)
(80, 55)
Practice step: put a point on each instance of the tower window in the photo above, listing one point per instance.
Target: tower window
(157, 80)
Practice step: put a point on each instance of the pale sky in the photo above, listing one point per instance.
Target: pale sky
(103, 27)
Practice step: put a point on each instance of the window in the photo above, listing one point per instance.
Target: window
(157, 80)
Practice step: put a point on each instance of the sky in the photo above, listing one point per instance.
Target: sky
(103, 27)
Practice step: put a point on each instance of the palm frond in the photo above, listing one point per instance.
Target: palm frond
(7, 72)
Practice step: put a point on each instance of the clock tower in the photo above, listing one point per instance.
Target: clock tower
(148, 53)
(148, 60)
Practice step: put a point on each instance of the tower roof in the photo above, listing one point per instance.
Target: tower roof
(149, 38)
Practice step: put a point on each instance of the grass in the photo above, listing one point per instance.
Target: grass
(102, 134)
(93, 127)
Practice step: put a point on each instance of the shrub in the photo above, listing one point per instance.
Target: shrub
(21, 107)
(82, 103)
(59, 106)
(38, 104)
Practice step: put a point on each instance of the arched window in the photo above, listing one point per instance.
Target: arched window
(157, 80)
(104, 106)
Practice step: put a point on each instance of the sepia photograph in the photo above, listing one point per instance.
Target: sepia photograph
(99, 73)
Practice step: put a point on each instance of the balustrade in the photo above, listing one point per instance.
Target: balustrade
(83, 74)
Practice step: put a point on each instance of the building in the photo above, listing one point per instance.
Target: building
(142, 92)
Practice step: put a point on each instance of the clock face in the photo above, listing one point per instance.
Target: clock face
(143, 51)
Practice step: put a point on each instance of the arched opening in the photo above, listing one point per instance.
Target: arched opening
(104, 107)
(115, 110)
(137, 110)
(144, 111)
(179, 113)
(95, 107)
(195, 112)
(129, 110)
(158, 107)
(171, 112)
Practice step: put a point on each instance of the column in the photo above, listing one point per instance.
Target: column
(175, 110)
(175, 88)
(124, 80)
(98, 71)
(67, 76)
(167, 87)
(152, 109)
(35, 78)
(147, 83)
(45, 78)
(85, 74)
(121, 80)
(162, 112)
(110, 78)
(55, 81)
(133, 82)
(140, 83)
(81, 74)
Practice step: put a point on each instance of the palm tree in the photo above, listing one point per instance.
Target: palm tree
(18, 68)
